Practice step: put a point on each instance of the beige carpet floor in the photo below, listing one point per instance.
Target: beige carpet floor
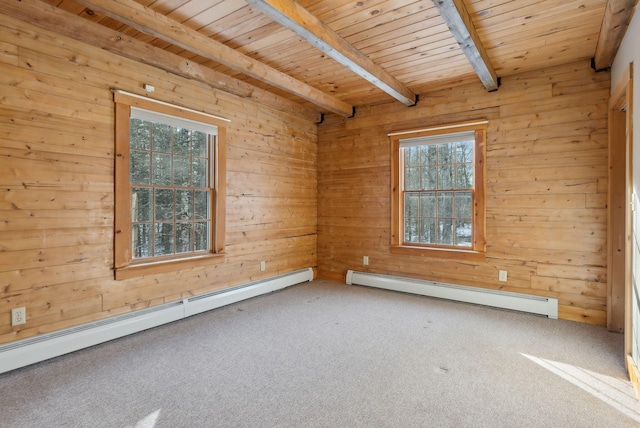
(325, 354)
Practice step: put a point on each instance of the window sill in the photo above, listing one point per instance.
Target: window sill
(445, 253)
(163, 266)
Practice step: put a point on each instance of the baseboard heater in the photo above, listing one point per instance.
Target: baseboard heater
(39, 348)
(480, 296)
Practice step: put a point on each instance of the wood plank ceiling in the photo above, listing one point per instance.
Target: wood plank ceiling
(406, 44)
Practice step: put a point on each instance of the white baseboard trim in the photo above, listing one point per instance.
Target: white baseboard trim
(28, 351)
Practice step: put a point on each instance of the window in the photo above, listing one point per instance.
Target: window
(170, 169)
(438, 191)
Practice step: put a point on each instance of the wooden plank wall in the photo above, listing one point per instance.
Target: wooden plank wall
(546, 187)
(56, 184)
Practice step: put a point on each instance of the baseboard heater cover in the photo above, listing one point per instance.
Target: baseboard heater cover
(43, 347)
(500, 299)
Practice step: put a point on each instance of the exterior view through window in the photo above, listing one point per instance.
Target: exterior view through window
(170, 178)
(438, 189)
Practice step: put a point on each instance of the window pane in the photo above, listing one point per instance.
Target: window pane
(184, 204)
(200, 144)
(184, 238)
(411, 232)
(445, 177)
(428, 230)
(181, 171)
(182, 141)
(445, 231)
(412, 179)
(463, 207)
(428, 155)
(164, 239)
(463, 232)
(445, 205)
(201, 237)
(163, 204)
(140, 167)
(412, 156)
(428, 204)
(411, 204)
(464, 176)
(201, 205)
(161, 138)
(464, 152)
(140, 135)
(429, 160)
(140, 204)
(446, 153)
(161, 169)
(200, 172)
(141, 240)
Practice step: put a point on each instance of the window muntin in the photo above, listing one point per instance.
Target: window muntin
(170, 176)
(438, 189)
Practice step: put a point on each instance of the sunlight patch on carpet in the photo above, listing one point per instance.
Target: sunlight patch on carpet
(148, 421)
(615, 392)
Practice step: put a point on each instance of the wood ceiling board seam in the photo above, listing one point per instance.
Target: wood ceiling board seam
(401, 61)
(543, 30)
(416, 30)
(379, 22)
(557, 48)
(536, 9)
(441, 71)
(481, 9)
(188, 12)
(539, 43)
(368, 11)
(347, 10)
(548, 15)
(236, 23)
(278, 37)
(420, 51)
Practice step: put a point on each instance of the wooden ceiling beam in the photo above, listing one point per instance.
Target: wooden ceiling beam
(150, 22)
(67, 24)
(292, 15)
(457, 18)
(617, 15)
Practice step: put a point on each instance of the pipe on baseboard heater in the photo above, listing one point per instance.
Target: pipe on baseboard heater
(481, 296)
(43, 347)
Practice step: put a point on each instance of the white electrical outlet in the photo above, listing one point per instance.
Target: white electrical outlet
(18, 316)
(502, 276)
(263, 266)
(365, 260)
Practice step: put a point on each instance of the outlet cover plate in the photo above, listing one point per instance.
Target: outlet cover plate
(18, 316)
